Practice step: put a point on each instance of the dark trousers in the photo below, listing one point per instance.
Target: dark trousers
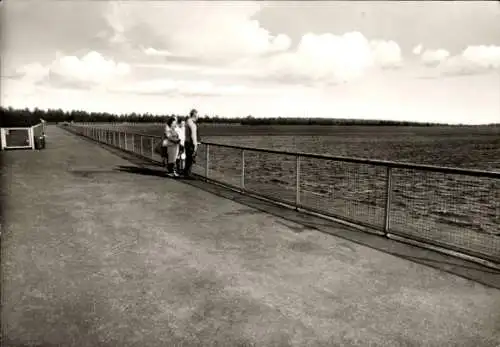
(171, 168)
(190, 157)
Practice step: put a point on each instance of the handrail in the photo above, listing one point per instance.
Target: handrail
(355, 160)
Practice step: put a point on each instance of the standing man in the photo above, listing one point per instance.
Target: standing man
(191, 142)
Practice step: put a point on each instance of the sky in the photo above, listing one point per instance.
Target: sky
(423, 61)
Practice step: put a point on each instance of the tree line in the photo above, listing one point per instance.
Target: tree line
(79, 116)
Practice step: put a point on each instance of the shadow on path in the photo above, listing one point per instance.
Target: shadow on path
(141, 170)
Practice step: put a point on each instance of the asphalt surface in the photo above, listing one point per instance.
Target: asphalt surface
(101, 251)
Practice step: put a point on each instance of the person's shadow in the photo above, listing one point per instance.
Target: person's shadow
(141, 170)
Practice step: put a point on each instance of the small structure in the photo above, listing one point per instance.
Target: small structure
(22, 132)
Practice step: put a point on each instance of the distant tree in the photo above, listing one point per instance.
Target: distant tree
(59, 115)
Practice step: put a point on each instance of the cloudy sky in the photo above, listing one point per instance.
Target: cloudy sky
(420, 61)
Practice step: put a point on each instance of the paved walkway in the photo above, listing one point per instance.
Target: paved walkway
(94, 254)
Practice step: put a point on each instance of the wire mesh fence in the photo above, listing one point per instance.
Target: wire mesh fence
(200, 164)
(355, 192)
(224, 165)
(271, 175)
(457, 210)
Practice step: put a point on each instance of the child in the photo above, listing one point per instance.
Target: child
(181, 132)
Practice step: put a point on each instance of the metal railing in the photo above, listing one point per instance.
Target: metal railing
(452, 210)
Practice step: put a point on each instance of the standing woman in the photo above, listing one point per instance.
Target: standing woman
(172, 146)
(164, 142)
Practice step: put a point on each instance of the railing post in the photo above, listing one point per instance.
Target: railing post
(242, 184)
(207, 160)
(133, 143)
(388, 198)
(142, 147)
(125, 140)
(297, 181)
(152, 148)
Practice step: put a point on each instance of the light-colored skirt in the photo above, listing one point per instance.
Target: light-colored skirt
(173, 153)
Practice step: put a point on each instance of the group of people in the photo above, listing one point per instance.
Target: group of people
(180, 145)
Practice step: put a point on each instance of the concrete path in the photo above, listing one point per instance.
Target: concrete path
(95, 255)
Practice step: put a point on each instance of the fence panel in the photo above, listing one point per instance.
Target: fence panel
(137, 140)
(155, 142)
(17, 138)
(224, 165)
(271, 175)
(109, 137)
(199, 167)
(146, 146)
(355, 192)
(457, 211)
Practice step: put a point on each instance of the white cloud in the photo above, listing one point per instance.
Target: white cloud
(181, 87)
(280, 43)
(472, 60)
(331, 58)
(417, 50)
(484, 56)
(92, 67)
(386, 53)
(201, 69)
(227, 34)
(32, 72)
(434, 57)
(154, 52)
(220, 31)
(90, 70)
